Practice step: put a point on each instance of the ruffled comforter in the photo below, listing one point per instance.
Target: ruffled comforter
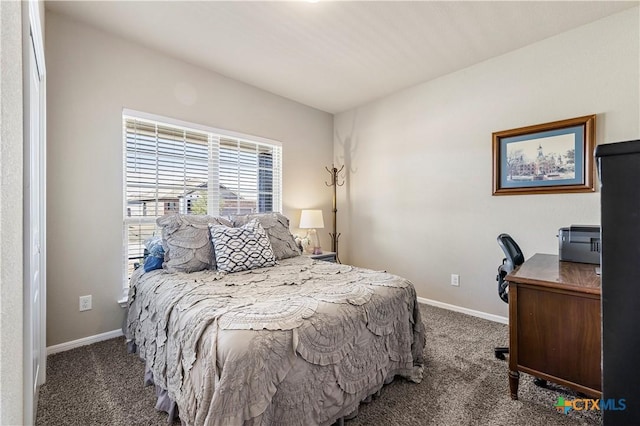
(300, 343)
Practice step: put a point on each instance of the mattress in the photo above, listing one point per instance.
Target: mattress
(299, 343)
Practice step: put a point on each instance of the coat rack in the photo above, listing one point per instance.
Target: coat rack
(335, 175)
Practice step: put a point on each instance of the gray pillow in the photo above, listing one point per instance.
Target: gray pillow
(241, 249)
(277, 227)
(186, 241)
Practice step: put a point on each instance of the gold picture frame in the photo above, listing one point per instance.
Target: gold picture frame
(547, 158)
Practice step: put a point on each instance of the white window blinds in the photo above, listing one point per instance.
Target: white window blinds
(170, 166)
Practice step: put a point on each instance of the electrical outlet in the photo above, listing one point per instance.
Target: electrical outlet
(455, 280)
(85, 303)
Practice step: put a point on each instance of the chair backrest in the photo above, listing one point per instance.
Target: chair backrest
(512, 252)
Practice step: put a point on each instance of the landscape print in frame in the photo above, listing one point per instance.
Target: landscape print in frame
(546, 158)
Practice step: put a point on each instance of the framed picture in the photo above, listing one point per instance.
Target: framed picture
(546, 158)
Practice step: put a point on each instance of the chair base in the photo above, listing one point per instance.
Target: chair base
(500, 352)
(542, 383)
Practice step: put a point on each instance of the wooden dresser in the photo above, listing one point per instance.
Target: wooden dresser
(554, 324)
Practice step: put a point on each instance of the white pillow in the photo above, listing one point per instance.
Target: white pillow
(186, 241)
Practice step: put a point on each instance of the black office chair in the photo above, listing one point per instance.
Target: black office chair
(514, 258)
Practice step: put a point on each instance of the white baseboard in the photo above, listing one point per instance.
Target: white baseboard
(82, 342)
(479, 314)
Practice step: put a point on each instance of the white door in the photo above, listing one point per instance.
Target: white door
(34, 208)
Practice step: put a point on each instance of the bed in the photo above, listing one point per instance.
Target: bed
(300, 342)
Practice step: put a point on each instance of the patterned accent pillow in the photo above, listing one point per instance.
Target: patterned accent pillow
(277, 227)
(241, 249)
(187, 243)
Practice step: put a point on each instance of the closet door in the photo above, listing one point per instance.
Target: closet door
(34, 218)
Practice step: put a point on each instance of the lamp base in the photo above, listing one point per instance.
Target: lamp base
(314, 242)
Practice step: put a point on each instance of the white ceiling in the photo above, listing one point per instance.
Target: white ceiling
(336, 55)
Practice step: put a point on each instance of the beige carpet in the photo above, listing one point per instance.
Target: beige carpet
(464, 384)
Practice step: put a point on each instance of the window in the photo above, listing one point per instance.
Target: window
(172, 166)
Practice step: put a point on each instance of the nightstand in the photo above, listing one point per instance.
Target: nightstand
(327, 256)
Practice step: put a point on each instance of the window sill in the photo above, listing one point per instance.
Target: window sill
(124, 298)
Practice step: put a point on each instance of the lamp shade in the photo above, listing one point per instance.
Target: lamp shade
(311, 219)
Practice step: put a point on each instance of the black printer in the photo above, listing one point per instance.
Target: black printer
(579, 243)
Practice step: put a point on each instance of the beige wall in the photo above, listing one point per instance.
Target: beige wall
(92, 76)
(418, 196)
(11, 349)
(418, 202)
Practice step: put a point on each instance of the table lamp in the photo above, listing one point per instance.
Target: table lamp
(312, 219)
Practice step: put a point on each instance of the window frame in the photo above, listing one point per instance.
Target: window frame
(213, 181)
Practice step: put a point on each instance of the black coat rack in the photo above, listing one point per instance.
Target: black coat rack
(335, 175)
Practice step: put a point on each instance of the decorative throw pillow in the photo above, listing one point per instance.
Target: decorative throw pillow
(186, 242)
(241, 249)
(155, 255)
(277, 227)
